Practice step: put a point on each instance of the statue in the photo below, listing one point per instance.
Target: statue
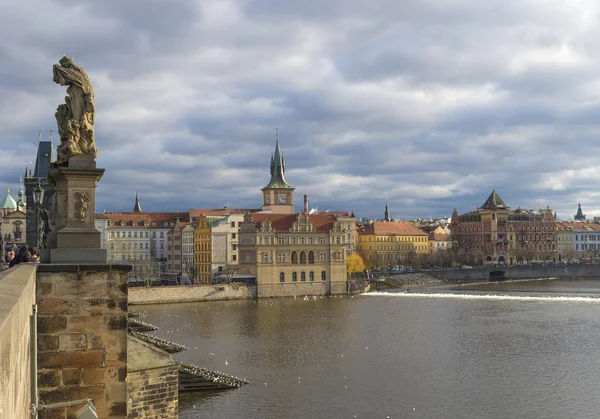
(75, 118)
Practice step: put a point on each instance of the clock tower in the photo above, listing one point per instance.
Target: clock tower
(278, 196)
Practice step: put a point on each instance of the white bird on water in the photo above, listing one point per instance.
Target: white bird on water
(226, 363)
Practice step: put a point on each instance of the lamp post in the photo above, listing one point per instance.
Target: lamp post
(38, 196)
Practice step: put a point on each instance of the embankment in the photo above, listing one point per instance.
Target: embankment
(188, 294)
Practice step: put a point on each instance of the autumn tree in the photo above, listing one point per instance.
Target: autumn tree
(354, 264)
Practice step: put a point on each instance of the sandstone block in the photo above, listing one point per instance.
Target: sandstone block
(116, 322)
(86, 323)
(68, 393)
(72, 341)
(71, 376)
(51, 324)
(71, 359)
(49, 379)
(47, 343)
(45, 288)
(49, 305)
(93, 376)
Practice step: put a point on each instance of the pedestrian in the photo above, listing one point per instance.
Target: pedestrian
(22, 255)
(35, 255)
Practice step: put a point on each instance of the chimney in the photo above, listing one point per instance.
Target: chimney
(306, 203)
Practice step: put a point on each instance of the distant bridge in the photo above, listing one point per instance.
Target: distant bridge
(500, 272)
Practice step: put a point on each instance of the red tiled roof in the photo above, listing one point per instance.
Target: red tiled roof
(322, 222)
(153, 219)
(439, 237)
(196, 212)
(387, 228)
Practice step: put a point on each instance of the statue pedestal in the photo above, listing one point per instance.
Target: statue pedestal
(74, 238)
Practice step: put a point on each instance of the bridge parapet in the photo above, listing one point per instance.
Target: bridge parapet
(17, 297)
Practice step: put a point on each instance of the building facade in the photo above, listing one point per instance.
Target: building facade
(495, 234)
(216, 241)
(384, 244)
(293, 254)
(296, 254)
(139, 239)
(13, 220)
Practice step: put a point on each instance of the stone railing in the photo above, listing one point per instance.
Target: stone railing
(17, 297)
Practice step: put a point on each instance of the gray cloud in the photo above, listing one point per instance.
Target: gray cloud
(429, 103)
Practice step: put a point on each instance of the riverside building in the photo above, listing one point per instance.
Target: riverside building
(293, 254)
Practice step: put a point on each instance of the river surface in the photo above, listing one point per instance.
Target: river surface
(526, 349)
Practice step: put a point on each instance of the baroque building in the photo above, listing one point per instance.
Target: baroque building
(291, 253)
(495, 234)
(13, 220)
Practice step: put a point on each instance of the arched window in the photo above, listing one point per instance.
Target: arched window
(281, 277)
(311, 257)
(311, 276)
(294, 257)
(294, 277)
(303, 276)
(302, 257)
(323, 276)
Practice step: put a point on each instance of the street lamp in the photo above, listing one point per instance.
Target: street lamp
(38, 196)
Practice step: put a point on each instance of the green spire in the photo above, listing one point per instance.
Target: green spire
(277, 168)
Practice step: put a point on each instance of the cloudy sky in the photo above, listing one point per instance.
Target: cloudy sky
(431, 103)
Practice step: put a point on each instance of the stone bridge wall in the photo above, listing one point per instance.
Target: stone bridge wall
(17, 297)
(518, 272)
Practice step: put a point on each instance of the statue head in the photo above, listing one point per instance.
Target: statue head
(66, 61)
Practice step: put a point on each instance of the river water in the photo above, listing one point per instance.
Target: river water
(526, 349)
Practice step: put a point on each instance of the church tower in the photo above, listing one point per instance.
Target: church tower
(579, 216)
(137, 207)
(386, 214)
(278, 196)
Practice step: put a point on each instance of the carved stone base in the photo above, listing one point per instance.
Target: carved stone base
(74, 231)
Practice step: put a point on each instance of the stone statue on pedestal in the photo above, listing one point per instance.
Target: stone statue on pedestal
(68, 229)
(75, 117)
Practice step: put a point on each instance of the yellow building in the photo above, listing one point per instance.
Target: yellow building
(296, 254)
(216, 244)
(387, 244)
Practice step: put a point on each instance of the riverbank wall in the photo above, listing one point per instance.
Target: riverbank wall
(190, 294)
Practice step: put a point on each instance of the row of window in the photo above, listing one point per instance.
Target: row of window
(311, 276)
(129, 234)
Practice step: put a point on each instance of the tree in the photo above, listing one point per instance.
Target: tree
(354, 264)
(228, 273)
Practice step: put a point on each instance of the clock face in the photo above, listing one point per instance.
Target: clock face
(282, 199)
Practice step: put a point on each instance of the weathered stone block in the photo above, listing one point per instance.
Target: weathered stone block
(71, 376)
(72, 341)
(71, 359)
(49, 379)
(101, 305)
(68, 393)
(50, 305)
(118, 409)
(86, 323)
(93, 376)
(47, 343)
(84, 286)
(51, 324)
(116, 322)
(45, 288)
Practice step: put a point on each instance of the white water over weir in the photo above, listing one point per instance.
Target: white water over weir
(461, 296)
